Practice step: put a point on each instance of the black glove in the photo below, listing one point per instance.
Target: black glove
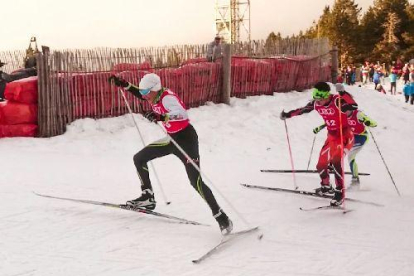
(153, 117)
(316, 130)
(118, 81)
(319, 128)
(284, 115)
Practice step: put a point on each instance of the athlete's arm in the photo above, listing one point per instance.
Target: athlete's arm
(299, 111)
(363, 118)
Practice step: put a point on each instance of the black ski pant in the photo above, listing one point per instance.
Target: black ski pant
(187, 139)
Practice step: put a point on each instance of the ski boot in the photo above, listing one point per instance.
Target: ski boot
(325, 190)
(146, 200)
(226, 225)
(354, 183)
(338, 198)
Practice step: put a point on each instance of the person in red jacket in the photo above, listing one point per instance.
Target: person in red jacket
(340, 139)
(168, 108)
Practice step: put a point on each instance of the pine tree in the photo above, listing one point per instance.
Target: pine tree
(374, 30)
(371, 32)
(388, 48)
(344, 28)
(408, 35)
(322, 27)
(272, 38)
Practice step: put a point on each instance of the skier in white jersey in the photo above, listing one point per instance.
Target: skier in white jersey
(168, 108)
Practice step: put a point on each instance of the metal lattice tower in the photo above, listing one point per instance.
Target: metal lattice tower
(233, 20)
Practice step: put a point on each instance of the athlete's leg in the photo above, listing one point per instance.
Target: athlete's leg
(337, 154)
(323, 163)
(360, 141)
(154, 150)
(188, 140)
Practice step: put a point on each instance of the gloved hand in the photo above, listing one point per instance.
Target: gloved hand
(151, 116)
(370, 123)
(284, 115)
(319, 128)
(118, 81)
(316, 130)
(154, 117)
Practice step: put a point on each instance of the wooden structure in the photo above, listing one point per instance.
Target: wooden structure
(73, 83)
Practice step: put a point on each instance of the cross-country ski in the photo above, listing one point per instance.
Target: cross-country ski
(125, 207)
(305, 171)
(224, 241)
(327, 207)
(308, 193)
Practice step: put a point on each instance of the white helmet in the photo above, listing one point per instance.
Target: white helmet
(150, 82)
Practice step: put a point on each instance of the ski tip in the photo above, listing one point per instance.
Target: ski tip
(35, 193)
(260, 237)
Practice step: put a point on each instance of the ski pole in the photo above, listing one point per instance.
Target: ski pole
(342, 147)
(143, 142)
(291, 157)
(310, 155)
(392, 179)
(191, 161)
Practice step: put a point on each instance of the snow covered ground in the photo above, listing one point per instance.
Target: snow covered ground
(93, 160)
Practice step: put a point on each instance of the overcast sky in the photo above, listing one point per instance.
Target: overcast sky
(139, 23)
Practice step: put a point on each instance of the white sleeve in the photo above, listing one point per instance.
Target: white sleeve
(175, 111)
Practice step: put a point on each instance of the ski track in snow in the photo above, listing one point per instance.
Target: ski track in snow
(93, 160)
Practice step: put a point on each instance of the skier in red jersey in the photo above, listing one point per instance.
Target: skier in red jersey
(168, 108)
(358, 121)
(333, 109)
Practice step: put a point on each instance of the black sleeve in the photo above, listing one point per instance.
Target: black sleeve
(134, 91)
(302, 110)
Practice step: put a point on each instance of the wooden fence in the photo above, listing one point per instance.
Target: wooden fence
(73, 83)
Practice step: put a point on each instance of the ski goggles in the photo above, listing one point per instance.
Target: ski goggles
(320, 95)
(145, 91)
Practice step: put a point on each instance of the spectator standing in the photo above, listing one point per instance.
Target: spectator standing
(409, 92)
(406, 74)
(365, 72)
(376, 77)
(353, 75)
(214, 50)
(371, 72)
(393, 80)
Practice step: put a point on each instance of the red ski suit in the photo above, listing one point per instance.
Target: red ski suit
(333, 150)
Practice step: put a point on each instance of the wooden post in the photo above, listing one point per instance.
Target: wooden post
(226, 88)
(334, 58)
(43, 87)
